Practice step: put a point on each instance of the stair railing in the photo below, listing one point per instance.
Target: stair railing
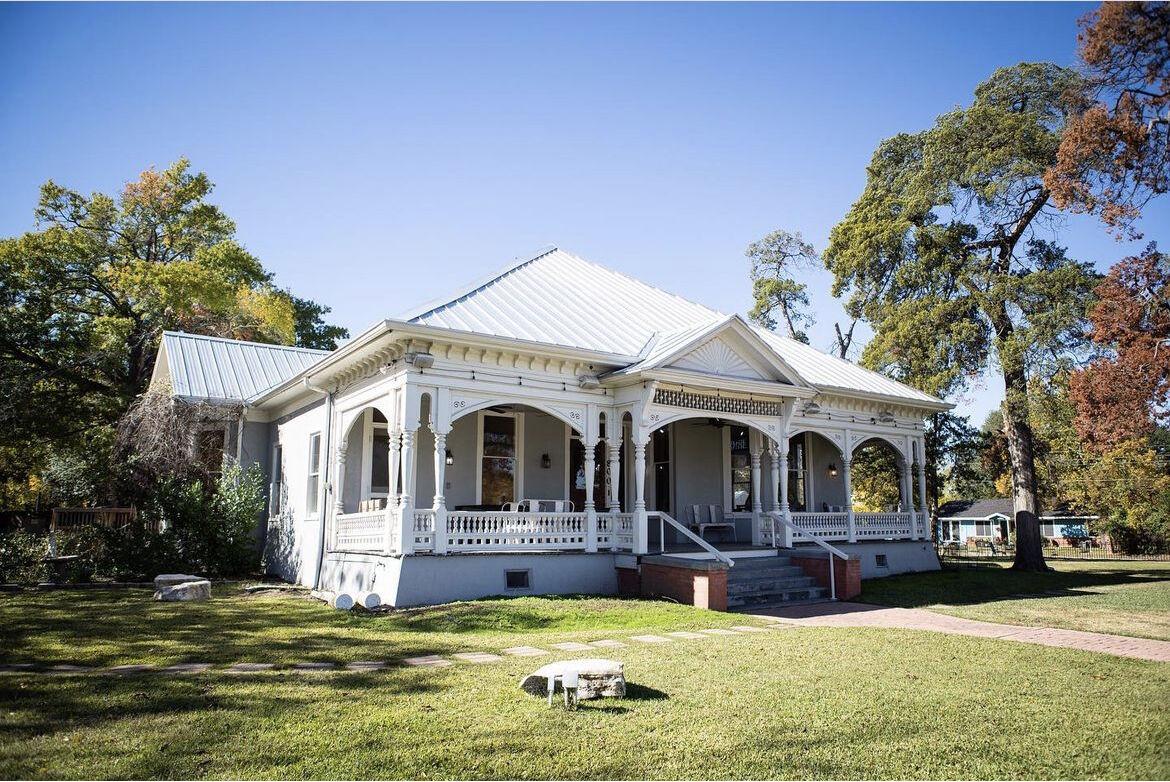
(778, 517)
(664, 519)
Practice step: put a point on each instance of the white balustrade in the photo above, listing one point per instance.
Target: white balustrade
(504, 531)
(424, 528)
(830, 526)
(882, 526)
(364, 531)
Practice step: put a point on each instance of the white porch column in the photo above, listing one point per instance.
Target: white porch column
(850, 524)
(440, 503)
(590, 506)
(392, 491)
(908, 504)
(613, 448)
(785, 511)
(920, 463)
(641, 522)
(757, 487)
(338, 494)
(406, 503)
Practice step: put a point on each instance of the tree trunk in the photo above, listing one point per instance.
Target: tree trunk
(1017, 430)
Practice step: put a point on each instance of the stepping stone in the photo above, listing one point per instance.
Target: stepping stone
(686, 634)
(16, 667)
(128, 669)
(572, 646)
(187, 668)
(477, 657)
(315, 666)
(250, 667)
(365, 665)
(608, 644)
(524, 651)
(427, 661)
(749, 629)
(60, 669)
(719, 631)
(650, 639)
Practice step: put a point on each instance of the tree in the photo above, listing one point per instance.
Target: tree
(85, 297)
(1123, 393)
(941, 256)
(1115, 153)
(310, 328)
(775, 260)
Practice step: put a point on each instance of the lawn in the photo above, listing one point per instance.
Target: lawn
(792, 703)
(1126, 598)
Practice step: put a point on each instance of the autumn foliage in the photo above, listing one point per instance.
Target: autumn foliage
(1123, 394)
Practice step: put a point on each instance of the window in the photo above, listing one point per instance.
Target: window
(661, 449)
(577, 473)
(276, 491)
(517, 579)
(498, 460)
(741, 469)
(210, 448)
(314, 482)
(380, 461)
(797, 491)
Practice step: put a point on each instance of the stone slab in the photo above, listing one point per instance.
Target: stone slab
(477, 657)
(524, 651)
(597, 678)
(187, 668)
(572, 646)
(719, 631)
(749, 628)
(608, 643)
(311, 666)
(365, 665)
(174, 579)
(427, 661)
(250, 667)
(131, 669)
(190, 590)
(687, 634)
(650, 639)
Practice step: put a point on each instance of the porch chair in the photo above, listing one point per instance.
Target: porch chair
(708, 516)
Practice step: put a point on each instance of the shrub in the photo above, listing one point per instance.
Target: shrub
(22, 557)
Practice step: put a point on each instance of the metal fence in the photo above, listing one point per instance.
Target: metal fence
(963, 553)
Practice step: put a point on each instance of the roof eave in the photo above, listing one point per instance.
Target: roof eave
(936, 404)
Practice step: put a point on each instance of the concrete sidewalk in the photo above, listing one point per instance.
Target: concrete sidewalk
(845, 614)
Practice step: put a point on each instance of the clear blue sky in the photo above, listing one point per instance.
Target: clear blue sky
(377, 156)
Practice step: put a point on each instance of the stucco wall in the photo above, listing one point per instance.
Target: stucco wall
(826, 488)
(544, 434)
(293, 538)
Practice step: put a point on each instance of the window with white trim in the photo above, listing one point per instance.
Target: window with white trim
(276, 492)
(314, 482)
(498, 459)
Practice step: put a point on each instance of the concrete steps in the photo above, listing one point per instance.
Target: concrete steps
(761, 582)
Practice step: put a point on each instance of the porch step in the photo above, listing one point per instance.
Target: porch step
(804, 594)
(770, 581)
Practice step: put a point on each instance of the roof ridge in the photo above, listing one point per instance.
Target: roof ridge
(643, 283)
(481, 282)
(189, 335)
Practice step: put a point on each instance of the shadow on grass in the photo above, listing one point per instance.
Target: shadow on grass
(991, 583)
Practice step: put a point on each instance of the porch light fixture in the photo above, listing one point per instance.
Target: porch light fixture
(545, 461)
(450, 457)
(833, 470)
(420, 360)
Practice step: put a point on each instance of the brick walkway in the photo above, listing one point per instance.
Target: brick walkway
(845, 614)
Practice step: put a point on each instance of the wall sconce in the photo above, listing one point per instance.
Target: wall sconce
(545, 461)
(450, 458)
(833, 470)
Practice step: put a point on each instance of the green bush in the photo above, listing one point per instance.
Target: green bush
(22, 557)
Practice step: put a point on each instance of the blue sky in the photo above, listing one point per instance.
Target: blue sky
(377, 156)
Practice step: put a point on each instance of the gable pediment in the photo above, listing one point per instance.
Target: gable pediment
(718, 357)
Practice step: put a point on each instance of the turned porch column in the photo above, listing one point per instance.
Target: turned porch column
(757, 493)
(920, 463)
(613, 449)
(640, 520)
(590, 506)
(781, 465)
(439, 534)
(849, 522)
(392, 493)
(406, 503)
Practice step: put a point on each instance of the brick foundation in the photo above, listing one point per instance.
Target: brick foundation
(847, 573)
(692, 582)
(629, 582)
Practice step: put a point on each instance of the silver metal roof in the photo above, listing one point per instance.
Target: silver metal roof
(201, 367)
(561, 299)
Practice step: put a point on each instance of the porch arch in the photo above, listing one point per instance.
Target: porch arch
(357, 473)
(824, 436)
(535, 404)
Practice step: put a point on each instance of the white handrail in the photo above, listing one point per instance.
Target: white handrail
(719, 555)
(833, 550)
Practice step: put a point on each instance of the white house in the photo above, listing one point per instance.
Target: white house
(994, 519)
(559, 427)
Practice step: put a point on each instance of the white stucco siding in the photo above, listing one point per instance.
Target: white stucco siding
(825, 488)
(293, 536)
(544, 434)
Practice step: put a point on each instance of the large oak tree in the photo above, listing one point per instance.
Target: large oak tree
(942, 256)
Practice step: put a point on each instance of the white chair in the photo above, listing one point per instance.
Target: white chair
(709, 516)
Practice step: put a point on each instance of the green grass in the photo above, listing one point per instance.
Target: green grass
(795, 703)
(1126, 598)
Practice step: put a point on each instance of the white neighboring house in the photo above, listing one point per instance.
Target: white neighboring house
(555, 428)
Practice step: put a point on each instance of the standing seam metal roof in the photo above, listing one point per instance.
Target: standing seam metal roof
(213, 368)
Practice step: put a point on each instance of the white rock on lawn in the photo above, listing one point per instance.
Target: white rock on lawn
(191, 590)
(596, 678)
(174, 579)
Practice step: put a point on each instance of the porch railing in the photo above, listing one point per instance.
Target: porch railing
(424, 529)
(364, 531)
(868, 526)
(777, 520)
(504, 531)
(830, 526)
(882, 526)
